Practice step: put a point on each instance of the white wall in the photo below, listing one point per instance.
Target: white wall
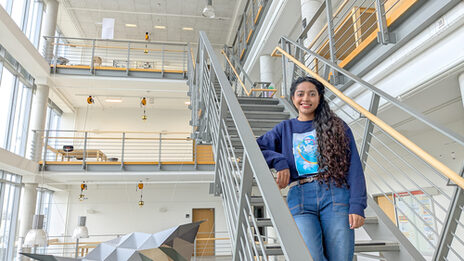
(127, 119)
(113, 208)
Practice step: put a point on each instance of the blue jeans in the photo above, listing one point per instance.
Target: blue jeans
(321, 214)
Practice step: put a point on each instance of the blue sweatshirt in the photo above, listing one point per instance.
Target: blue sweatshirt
(292, 144)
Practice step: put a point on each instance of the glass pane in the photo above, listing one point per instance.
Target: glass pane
(21, 120)
(3, 3)
(9, 201)
(17, 11)
(34, 18)
(6, 92)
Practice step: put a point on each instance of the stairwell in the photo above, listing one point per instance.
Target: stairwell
(232, 124)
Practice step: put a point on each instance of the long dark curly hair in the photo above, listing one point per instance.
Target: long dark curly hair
(333, 144)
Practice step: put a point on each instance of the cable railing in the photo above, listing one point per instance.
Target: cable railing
(422, 196)
(115, 55)
(120, 148)
(236, 171)
(347, 31)
(242, 84)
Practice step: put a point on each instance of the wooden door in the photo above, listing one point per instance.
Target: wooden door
(205, 246)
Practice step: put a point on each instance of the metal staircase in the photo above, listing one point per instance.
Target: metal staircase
(232, 123)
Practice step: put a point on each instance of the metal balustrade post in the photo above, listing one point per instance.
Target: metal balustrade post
(128, 59)
(84, 155)
(222, 116)
(195, 158)
(55, 54)
(45, 146)
(159, 150)
(91, 58)
(122, 149)
(245, 189)
(383, 35)
(330, 31)
(450, 225)
(184, 61)
(283, 90)
(369, 128)
(162, 61)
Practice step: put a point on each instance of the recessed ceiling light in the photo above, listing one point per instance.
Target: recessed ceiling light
(131, 25)
(160, 27)
(115, 100)
(187, 28)
(187, 103)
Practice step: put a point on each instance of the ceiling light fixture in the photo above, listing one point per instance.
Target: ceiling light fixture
(208, 11)
(187, 103)
(160, 27)
(187, 28)
(131, 25)
(36, 236)
(115, 100)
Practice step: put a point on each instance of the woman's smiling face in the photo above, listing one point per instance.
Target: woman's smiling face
(306, 99)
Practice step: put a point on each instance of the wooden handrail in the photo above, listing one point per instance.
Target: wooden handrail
(127, 132)
(116, 138)
(193, 58)
(236, 74)
(429, 159)
(120, 47)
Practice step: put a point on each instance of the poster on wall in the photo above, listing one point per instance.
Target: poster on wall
(414, 211)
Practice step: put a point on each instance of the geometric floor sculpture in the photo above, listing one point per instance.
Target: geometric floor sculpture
(173, 244)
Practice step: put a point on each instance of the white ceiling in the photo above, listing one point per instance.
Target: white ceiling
(166, 94)
(82, 18)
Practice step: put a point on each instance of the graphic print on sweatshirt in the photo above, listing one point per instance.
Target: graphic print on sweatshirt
(305, 152)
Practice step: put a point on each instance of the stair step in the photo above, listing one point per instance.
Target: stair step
(256, 123)
(375, 246)
(263, 222)
(262, 107)
(254, 100)
(256, 131)
(271, 115)
(258, 201)
(360, 246)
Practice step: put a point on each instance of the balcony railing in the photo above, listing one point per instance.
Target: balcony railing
(249, 26)
(121, 148)
(123, 57)
(349, 28)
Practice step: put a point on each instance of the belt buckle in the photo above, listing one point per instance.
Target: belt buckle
(307, 180)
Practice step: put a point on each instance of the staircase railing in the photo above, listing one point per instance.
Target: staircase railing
(235, 173)
(242, 84)
(401, 176)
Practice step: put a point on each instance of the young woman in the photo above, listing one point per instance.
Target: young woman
(315, 154)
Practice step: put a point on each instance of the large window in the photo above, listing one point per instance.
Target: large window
(27, 14)
(15, 107)
(20, 123)
(10, 188)
(7, 85)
